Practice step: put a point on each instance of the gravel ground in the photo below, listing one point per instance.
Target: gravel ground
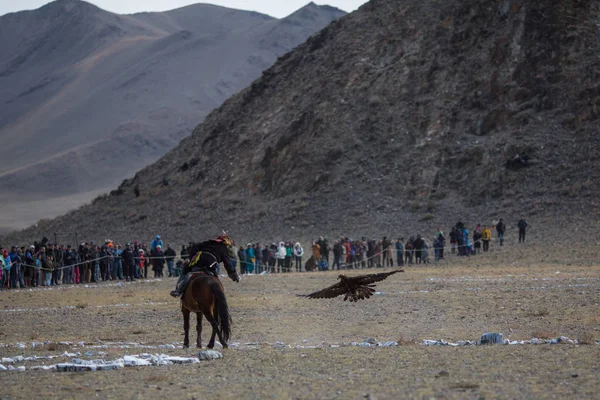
(510, 291)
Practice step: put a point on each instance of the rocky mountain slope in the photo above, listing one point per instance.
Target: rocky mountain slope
(397, 117)
(89, 97)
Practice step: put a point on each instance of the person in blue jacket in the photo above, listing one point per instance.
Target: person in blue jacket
(15, 262)
(156, 242)
(467, 242)
(400, 252)
(5, 261)
(250, 257)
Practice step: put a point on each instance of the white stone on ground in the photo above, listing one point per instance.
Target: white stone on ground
(209, 355)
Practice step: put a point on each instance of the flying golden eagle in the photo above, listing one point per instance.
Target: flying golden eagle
(353, 288)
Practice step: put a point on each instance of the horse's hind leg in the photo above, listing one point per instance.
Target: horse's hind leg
(215, 331)
(186, 327)
(199, 330)
(215, 327)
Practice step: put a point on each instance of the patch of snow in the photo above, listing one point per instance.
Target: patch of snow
(134, 361)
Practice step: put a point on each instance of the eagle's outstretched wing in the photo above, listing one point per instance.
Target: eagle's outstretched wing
(372, 278)
(355, 288)
(328, 293)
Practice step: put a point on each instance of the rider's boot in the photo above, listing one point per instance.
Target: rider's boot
(180, 287)
(175, 293)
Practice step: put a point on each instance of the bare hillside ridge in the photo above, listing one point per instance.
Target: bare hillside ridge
(398, 117)
(89, 97)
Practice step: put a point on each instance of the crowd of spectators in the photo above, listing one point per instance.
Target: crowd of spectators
(348, 253)
(50, 264)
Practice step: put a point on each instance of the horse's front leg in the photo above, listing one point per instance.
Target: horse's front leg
(186, 327)
(199, 330)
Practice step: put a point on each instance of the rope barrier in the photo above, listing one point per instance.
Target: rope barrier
(63, 267)
(84, 262)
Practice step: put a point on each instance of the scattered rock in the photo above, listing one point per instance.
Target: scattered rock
(491, 338)
(71, 367)
(442, 374)
(209, 355)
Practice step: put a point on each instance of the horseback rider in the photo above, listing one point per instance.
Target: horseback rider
(205, 257)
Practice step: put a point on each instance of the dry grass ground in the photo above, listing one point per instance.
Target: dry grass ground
(512, 292)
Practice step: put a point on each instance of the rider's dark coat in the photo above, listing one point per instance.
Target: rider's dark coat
(211, 254)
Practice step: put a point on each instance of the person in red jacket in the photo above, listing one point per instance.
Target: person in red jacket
(142, 263)
(348, 251)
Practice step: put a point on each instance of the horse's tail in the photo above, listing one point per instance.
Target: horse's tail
(222, 316)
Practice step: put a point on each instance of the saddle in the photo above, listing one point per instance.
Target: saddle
(197, 274)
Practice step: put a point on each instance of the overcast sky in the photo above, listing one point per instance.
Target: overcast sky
(276, 8)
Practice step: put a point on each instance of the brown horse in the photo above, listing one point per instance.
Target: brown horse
(205, 296)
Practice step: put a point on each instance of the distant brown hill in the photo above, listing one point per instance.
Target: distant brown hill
(89, 97)
(397, 117)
